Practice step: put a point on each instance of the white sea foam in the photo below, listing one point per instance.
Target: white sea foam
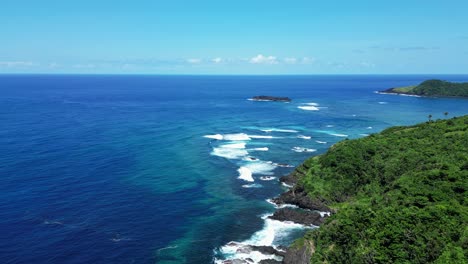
(301, 149)
(329, 126)
(304, 137)
(267, 178)
(271, 234)
(320, 142)
(245, 174)
(369, 127)
(312, 104)
(229, 153)
(338, 135)
(260, 167)
(282, 205)
(279, 130)
(308, 108)
(234, 146)
(260, 149)
(260, 136)
(286, 185)
(323, 214)
(217, 136)
(253, 185)
(364, 135)
(383, 103)
(236, 137)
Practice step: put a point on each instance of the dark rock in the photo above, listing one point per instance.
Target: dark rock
(294, 176)
(268, 250)
(271, 98)
(297, 196)
(270, 261)
(298, 216)
(244, 250)
(300, 254)
(235, 261)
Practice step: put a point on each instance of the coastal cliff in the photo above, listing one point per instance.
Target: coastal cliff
(396, 196)
(432, 88)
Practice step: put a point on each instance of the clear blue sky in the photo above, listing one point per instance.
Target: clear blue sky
(234, 37)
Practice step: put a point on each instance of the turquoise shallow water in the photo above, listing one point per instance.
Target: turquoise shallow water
(117, 169)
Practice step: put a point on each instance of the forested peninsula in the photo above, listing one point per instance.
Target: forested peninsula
(436, 88)
(398, 196)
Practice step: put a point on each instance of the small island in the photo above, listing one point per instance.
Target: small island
(271, 98)
(432, 88)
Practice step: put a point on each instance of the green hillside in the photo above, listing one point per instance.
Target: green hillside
(434, 88)
(400, 196)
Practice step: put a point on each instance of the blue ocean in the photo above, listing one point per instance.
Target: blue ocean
(169, 169)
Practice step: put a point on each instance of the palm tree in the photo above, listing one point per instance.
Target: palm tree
(446, 114)
(430, 117)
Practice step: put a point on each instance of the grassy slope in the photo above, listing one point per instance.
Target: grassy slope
(436, 88)
(400, 195)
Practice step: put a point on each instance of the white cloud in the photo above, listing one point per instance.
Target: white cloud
(53, 65)
(85, 66)
(217, 60)
(194, 61)
(260, 59)
(367, 64)
(307, 60)
(12, 64)
(290, 60)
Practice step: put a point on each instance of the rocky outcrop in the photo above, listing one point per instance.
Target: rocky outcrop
(271, 98)
(303, 217)
(270, 261)
(299, 254)
(298, 196)
(294, 176)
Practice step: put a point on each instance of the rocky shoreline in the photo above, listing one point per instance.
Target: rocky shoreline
(294, 206)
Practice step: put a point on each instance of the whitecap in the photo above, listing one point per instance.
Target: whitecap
(338, 135)
(304, 137)
(267, 178)
(236, 137)
(329, 126)
(279, 130)
(245, 174)
(309, 108)
(312, 104)
(301, 149)
(217, 136)
(253, 185)
(364, 135)
(320, 142)
(260, 136)
(271, 234)
(282, 205)
(383, 103)
(323, 214)
(369, 127)
(234, 146)
(229, 153)
(260, 149)
(260, 167)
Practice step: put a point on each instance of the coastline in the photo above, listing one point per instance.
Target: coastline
(292, 207)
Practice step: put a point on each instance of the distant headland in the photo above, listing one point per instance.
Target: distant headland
(433, 88)
(271, 98)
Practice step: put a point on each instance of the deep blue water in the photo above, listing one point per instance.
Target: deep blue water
(116, 169)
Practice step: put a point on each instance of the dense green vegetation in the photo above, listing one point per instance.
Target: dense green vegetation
(435, 88)
(400, 196)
